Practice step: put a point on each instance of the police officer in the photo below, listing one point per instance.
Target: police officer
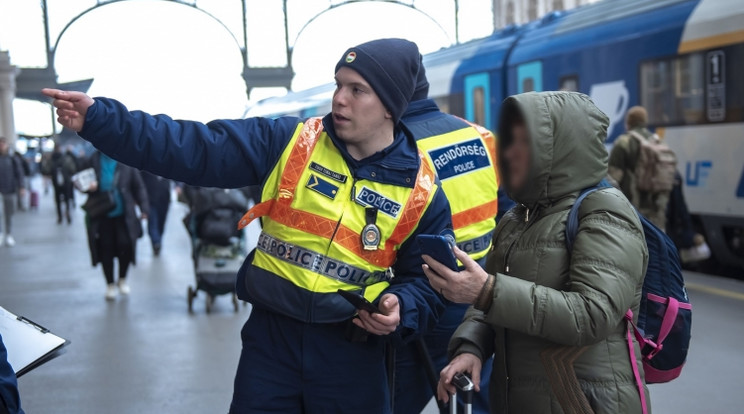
(343, 199)
(463, 156)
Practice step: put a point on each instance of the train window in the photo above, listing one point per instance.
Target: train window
(529, 77)
(672, 90)
(479, 105)
(570, 83)
(694, 88)
(528, 85)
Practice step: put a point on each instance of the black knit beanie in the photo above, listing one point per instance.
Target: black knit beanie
(421, 91)
(390, 66)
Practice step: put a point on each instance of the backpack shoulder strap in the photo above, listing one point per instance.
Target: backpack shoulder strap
(637, 135)
(572, 222)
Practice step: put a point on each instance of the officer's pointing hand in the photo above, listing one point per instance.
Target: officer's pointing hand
(384, 323)
(71, 107)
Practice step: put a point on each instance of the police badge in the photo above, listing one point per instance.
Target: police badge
(371, 233)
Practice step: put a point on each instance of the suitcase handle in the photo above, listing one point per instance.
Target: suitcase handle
(463, 383)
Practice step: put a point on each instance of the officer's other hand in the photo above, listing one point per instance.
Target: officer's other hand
(459, 287)
(71, 107)
(384, 323)
(462, 363)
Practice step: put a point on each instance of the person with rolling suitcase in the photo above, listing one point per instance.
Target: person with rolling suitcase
(557, 317)
(12, 183)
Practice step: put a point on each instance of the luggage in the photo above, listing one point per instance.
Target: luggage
(34, 199)
(656, 165)
(464, 385)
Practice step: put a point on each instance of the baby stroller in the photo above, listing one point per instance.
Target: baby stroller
(218, 248)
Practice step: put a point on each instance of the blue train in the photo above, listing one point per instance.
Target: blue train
(681, 59)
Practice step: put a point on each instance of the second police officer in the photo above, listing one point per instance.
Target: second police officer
(343, 198)
(463, 156)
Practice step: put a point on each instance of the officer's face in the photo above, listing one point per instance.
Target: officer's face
(518, 156)
(3, 146)
(358, 114)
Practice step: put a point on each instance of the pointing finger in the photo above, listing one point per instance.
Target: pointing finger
(52, 93)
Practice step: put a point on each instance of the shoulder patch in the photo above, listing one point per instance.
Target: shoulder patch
(322, 186)
(460, 158)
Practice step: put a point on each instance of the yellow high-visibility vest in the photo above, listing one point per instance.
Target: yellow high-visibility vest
(465, 163)
(314, 215)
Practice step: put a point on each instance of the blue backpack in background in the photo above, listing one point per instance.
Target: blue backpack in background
(665, 314)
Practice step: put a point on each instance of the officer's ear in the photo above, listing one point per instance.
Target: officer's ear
(388, 115)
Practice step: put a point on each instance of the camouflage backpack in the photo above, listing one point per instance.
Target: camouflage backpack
(656, 164)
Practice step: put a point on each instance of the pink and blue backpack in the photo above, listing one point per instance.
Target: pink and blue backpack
(665, 314)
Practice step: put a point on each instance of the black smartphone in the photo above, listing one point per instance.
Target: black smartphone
(439, 248)
(359, 301)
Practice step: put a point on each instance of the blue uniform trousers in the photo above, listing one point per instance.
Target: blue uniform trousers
(412, 389)
(292, 367)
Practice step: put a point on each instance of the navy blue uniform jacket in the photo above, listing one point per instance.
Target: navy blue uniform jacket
(240, 153)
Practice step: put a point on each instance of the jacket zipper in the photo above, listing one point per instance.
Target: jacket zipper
(506, 331)
(508, 250)
(338, 223)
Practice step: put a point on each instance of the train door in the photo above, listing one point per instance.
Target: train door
(477, 99)
(529, 77)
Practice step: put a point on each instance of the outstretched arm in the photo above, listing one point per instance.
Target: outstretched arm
(223, 153)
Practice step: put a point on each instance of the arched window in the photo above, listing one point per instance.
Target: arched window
(532, 10)
(509, 13)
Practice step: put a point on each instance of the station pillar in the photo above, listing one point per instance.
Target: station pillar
(8, 75)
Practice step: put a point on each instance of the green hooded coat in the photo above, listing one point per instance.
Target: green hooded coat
(556, 323)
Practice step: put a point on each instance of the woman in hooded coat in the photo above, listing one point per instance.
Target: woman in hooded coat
(554, 319)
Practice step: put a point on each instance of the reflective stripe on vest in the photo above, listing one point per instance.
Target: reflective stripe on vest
(314, 215)
(465, 163)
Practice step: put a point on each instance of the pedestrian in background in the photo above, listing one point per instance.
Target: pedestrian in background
(26, 168)
(112, 221)
(555, 319)
(12, 182)
(60, 167)
(159, 195)
(625, 166)
(69, 153)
